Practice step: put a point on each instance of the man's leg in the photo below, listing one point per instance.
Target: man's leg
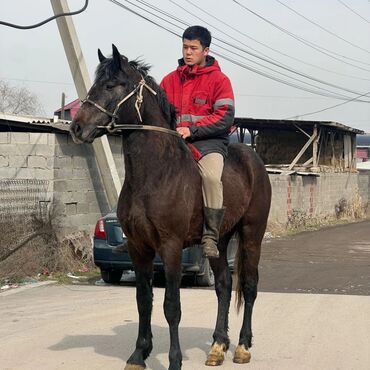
(211, 167)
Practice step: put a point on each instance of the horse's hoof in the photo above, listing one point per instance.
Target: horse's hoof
(216, 355)
(134, 367)
(241, 355)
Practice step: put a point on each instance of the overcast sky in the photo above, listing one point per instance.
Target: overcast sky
(36, 59)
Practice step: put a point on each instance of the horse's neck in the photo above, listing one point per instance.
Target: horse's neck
(150, 153)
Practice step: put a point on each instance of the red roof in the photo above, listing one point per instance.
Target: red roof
(73, 107)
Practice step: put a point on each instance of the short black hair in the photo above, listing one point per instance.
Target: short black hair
(198, 33)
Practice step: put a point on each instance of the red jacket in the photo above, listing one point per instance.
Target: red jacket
(204, 101)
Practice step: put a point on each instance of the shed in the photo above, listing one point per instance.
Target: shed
(297, 145)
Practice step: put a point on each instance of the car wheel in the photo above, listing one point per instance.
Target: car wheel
(111, 276)
(205, 277)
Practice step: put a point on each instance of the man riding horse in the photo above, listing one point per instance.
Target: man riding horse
(204, 102)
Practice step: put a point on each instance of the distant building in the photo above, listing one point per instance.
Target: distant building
(363, 148)
(70, 110)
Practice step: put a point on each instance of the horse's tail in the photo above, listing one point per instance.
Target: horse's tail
(239, 258)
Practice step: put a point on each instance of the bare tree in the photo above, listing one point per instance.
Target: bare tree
(18, 100)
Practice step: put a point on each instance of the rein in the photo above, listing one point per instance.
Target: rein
(112, 126)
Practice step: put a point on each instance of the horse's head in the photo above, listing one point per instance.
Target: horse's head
(116, 95)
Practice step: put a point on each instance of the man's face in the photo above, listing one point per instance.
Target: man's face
(194, 53)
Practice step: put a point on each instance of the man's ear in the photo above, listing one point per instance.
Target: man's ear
(206, 51)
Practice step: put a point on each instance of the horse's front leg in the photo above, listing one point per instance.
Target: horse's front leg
(223, 285)
(144, 299)
(172, 306)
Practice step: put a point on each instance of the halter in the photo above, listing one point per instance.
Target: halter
(112, 127)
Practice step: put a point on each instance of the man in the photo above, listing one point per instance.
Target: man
(204, 100)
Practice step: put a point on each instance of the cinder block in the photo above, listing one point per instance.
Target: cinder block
(79, 162)
(62, 162)
(8, 173)
(4, 138)
(19, 138)
(45, 150)
(64, 197)
(43, 174)
(62, 173)
(25, 173)
(80, 173)
(4, 161)
(71, 208)
(18, 161)
(52, 139)
(37, 161)
(82, 208)
(24, 149)
(60, 185)
(38, 138)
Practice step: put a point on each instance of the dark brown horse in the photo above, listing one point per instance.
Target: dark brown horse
(160, 205)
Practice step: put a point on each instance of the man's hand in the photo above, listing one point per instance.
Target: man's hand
(183, 131)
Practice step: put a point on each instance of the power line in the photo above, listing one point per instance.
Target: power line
(321, 27)
(266, 58)
(46, 20)
(270, 47)
(331, 107)
(306, 42)
(353, 11)
(238, 63)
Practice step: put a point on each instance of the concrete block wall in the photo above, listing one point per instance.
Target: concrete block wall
(316, 197)
(75, 184)
(27, 155)
(76, 189)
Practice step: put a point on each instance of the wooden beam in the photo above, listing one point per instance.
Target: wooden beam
(305, 146)
(315, 147)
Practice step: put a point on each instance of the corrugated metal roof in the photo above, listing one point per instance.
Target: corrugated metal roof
(260, 123)
(31, 123)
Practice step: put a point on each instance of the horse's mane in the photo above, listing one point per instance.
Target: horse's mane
(107, 70)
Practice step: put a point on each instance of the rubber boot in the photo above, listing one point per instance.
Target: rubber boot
(211, 231)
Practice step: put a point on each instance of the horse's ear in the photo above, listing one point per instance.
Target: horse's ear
(117, 57)
(101, 56)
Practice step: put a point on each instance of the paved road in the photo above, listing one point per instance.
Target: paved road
(94, 327)
(332, 260)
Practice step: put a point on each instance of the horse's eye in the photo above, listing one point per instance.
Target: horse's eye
(109, 87)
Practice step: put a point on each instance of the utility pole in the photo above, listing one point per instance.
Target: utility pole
(62, 111)
(77, 65)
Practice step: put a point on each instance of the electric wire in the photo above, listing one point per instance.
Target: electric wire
(46, 20)
(312, 45)
(353, 11)
(243, 65)
(266, 58)
(271, 48)
(321, 27)
(327, 108)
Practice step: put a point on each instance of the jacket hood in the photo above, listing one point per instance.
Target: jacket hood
(211, 65)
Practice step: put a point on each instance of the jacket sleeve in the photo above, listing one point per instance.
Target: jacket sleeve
(220, 121)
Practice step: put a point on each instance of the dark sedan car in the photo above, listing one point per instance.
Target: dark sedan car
(108, 234)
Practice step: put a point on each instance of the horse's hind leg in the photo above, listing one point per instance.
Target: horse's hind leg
(144, 299)
(172, 307)
(251, 235)
(223, 285)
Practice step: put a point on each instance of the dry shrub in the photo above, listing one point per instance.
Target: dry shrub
(33, 245)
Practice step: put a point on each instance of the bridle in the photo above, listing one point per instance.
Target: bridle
(112, 126)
